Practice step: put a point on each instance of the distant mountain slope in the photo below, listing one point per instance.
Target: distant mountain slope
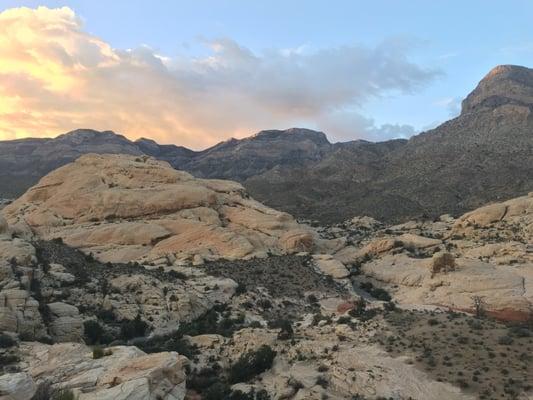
(483, 155)
(24, 161)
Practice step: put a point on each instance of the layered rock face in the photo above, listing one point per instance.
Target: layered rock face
(125, 208)
(504, 84)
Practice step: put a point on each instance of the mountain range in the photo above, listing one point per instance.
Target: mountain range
(485, 154)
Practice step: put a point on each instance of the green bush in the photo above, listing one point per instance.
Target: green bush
(64, 394)
(380, 294)
(6, 341)
(286, 331)
(217, 391)
(251, 364)
(93, 332)
(46, 392)
(133, 328)
(98, 352)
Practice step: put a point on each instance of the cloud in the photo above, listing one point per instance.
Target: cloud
(451, 104)
(349, 125)
(54, 77)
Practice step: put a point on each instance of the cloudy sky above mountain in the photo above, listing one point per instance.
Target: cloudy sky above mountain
(195, 75)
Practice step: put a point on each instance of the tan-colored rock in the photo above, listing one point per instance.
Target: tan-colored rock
(410, 282)
(126, 374)
(17, 250)
(330, 266)
(417, 241)
(16, 386)
(66, 324)
(122, 208)
(19, 313)
(516, 212)
(379, 246)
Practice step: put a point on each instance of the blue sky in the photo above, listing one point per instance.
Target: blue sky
(460, 41)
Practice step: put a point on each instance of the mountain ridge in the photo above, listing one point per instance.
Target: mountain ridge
(484, 154)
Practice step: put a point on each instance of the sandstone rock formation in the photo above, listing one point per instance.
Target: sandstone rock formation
(484, 253)
(125, 208)
(125, 374)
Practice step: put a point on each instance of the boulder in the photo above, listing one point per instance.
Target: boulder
(17, 386)
(417, 241)
(66, 324)
(19, 313)
(330, 266)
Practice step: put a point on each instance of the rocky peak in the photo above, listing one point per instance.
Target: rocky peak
(504, 84)
(292, 134)
(86, 136)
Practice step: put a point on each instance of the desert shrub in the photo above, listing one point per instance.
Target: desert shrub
(130, 329)
(251, 364)
(46, 392)
(389, 306)
(43, 392)
(265, 304)
(322, 381)
(380, 294)
(240, 395)
(64, 394)
(93, 331)
(262, 395)
(366, 286)
(241, 289)
(520, 331)
(204, 378)
(432, 322)
(107, 316)
(506, 340)
(177, 275)
(312, 299)
(217, 391)
(6, 341)
(6, 359)
(344, 320)
(286, 331)
(98, 352)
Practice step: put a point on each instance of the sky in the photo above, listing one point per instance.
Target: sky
(196, 73)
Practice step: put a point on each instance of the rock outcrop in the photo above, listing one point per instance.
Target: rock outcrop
(486, 253)
(125, 208)
(126, 373)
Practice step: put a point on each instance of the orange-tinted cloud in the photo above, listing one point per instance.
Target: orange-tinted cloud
(55, 77)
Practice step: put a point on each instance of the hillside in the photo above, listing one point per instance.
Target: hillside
(485, 154)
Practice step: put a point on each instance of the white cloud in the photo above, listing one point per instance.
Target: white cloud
(54, 76)
(451, 104)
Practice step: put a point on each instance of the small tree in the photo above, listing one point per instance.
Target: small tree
(93, 331)
(251, 364)
(133, 328)
(479, 306)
